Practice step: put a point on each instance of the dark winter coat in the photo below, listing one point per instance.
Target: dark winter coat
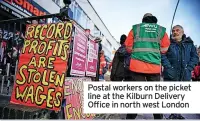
(120, 63)
(180, 60)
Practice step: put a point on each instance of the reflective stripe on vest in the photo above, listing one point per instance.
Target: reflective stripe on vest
(147, 39)
(146, 50)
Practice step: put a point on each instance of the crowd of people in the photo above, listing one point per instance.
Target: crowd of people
(149, 54)
(11, 43)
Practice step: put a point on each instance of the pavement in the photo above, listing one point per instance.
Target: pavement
(144, 116)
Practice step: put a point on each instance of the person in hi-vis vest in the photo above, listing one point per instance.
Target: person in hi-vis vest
(146, 41)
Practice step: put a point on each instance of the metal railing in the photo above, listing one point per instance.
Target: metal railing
(11, 42)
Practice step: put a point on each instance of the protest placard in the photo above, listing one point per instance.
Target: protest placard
(79, 57)
(42, 66)
(74, 98)
(92, 59)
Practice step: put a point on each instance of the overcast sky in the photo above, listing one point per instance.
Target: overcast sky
(120, 15)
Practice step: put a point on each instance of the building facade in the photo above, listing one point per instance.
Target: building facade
(86, 16)
(20, 8)
(80, 10)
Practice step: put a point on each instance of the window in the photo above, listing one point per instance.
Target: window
(74, 11)
(71, 6)
(87, 22)
(57, 2)
(78, 15)
(96, 32)
(90, 25)
(106, 43)
(83, 20)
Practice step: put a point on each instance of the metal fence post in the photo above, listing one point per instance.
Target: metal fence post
(98, 62)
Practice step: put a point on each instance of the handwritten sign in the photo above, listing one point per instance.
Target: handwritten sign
(92, 59)
(79, 56)
(74, 98)
(42, 65)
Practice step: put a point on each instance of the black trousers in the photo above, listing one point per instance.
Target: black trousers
(117, 79)
(133, 116)
(144, 77)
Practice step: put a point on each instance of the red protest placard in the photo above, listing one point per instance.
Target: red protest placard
(74, 98)
(42, 65)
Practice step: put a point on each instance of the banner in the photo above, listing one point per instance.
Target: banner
(42, 66)
(24, 8)
(74, 98)
(79, 57)
(92, 59)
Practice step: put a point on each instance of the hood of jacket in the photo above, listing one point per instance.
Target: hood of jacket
(184, 39)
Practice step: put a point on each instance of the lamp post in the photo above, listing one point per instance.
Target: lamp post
(174, 16)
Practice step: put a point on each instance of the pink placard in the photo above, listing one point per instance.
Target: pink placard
(79, 57)
(92, 59)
